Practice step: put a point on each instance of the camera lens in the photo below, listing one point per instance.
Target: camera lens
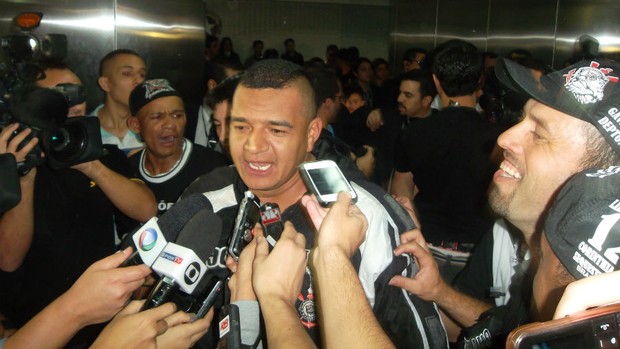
(60, 140)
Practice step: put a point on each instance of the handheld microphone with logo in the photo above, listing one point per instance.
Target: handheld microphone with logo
(150, 239)
(181, 264)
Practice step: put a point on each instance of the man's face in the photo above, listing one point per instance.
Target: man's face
(290, 46)
(161, 124)
(270, 136)
(364, 72)
(213, 49)
(354, 102)
(336, 103)
(381, 72)
(540, 154)
(410, 101)
(120, 75)
(221, 120)
(549, 282)
(258, 50)
(54, 77)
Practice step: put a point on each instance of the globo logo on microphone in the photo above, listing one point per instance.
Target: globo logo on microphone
(148, 239)
(192, 272)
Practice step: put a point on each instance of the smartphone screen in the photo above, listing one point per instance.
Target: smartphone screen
(328, 180)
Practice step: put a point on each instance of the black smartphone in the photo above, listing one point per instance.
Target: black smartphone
(247, 216)
(325, 180)
(206, 300)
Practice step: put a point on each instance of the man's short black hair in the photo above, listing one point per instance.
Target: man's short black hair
(270, 53)
(112, 54)
(424, 78)
(53, 64)
(359, 62)
(352, 89)
(224, 91)
(458, 66)
(258, 42)
(279, 74)
(379, 61)
(324, 81)
(410, 54)
(288, 40)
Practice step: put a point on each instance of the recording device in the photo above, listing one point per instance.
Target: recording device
(10, 191)
(66, 142)
(150, 239)
(325, 180)
(247, 217)
(229, 326)
(593, 328)
(181, 264)
(206, 300)
(271, 221)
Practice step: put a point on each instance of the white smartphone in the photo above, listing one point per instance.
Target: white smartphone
(325, 180)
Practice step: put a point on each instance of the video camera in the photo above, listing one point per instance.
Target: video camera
(65, 141)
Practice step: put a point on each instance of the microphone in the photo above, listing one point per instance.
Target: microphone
(149, 240)
(181, 264)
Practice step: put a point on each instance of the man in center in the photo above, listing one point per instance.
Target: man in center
(273, 129)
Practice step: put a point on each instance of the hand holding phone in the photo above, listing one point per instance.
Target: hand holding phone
(325, 180)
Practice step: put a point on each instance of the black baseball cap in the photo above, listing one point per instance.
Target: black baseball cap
(588, 90)
(149, 91)
(583, 225)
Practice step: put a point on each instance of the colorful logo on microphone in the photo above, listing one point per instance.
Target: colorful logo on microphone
(148, 239)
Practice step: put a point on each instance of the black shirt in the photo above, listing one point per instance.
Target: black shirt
(73, 228)
(195, 161)
(449, 156)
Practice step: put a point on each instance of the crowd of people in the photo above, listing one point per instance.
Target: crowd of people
(485, 186)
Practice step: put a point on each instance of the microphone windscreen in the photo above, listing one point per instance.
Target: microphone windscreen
(172, 221)
(201, 233)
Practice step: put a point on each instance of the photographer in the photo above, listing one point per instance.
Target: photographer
(75, 209)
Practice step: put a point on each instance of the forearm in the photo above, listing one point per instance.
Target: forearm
(131, 197)
(342, 302)
(284, 329)
(17, 227)
(461, 308)
(52, 328)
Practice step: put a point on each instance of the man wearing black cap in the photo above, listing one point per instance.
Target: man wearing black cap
(570, 123)
(170, 162)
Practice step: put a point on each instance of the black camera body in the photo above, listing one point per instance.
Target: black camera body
(65, 142)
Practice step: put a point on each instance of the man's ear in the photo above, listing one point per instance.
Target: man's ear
(314, 131)
(211, 84)
(134, 124)
(437, 84)
(103, 83)
(427, 100)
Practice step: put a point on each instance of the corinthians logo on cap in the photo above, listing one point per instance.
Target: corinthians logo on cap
(587, 83)
(156, 86)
